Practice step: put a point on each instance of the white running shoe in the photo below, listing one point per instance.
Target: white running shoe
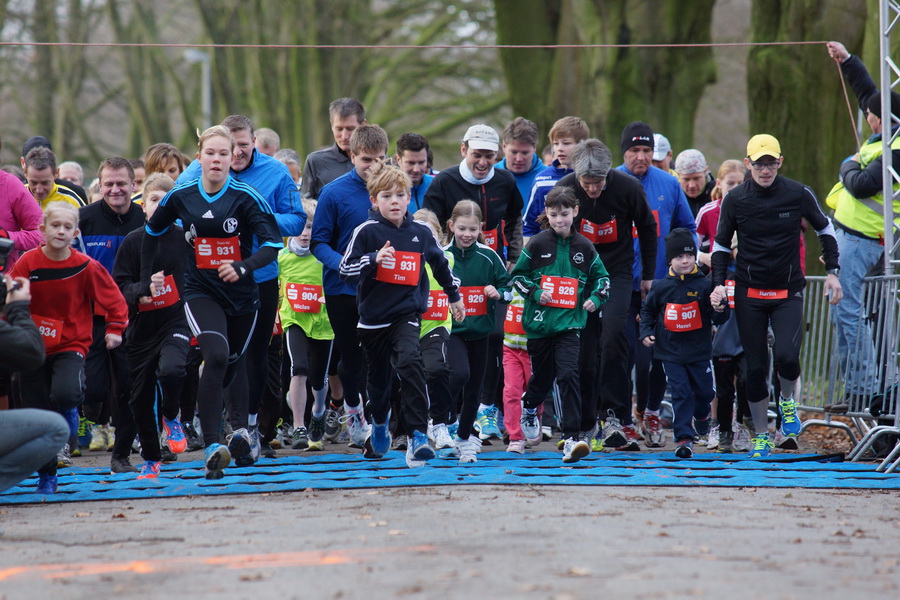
(469, 449)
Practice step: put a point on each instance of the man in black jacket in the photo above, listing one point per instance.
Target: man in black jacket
(610, 203)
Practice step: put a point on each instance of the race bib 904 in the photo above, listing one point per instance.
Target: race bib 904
(303, 298)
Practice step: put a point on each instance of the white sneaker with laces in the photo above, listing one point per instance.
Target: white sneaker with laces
(442, 437)
(357, 427)
(742, 440)
(712, 440)
(574, 450)
(516, 446)
(469, 449)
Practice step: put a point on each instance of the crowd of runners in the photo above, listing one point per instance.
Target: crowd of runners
(243, 300)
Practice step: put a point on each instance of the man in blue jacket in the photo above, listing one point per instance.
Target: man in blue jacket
(671, 210)
(520, 138)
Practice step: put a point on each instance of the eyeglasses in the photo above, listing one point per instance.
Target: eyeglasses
(762, 166)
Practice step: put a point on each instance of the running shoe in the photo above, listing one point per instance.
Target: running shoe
(442, 439)
(762, 446)
(631, 440)
(596, 444)
(712, 440)
(726, 442)
(574, 450)
(654, 436)
(121, 464)
(401, 443)
(684, 448)
(300, 438)
(47, 484)
(316, 433)
(531, 426)
(84, 432)
(743, 441)
(790, 422)
(613, 435)
(99, 434)
(419, 450)
(486, 424)
(332, 423)
(255, 442)
(239, 448)
(785, 443)
(379, 441)
(217, 457)
(469, 449)
(74, 450)
(175, 438)
(110, 438)
(516, 447)
(149, 470)
(194, 441)
(357, 426)
(63, 458)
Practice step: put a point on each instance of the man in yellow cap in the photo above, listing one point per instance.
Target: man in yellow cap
(765, 211)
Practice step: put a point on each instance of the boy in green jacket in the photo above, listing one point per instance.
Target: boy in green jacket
(557, 269)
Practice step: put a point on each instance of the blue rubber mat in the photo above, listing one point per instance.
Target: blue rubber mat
(342, 471)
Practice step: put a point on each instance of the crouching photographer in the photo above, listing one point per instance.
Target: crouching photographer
(28, 437)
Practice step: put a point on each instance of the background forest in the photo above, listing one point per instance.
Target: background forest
(93, 102)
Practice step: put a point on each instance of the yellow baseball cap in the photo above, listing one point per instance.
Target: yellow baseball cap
(763, 145)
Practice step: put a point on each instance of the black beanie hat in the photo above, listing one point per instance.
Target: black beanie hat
(637, 134)
(37, 141)
(873, 104)
(680, 241)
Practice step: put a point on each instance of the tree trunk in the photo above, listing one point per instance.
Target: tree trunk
(608, 87)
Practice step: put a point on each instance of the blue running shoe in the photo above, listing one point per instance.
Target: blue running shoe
(149, 470)
(239, 446)
(379, 441)
(419, 450)
(762, 446)
(217, 458)
(175, 438)
(47, 484)
(452, 428)
(84, 432)
(486, 423)
(790, 422)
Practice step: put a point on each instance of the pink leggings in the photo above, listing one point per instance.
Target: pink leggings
(516, 372)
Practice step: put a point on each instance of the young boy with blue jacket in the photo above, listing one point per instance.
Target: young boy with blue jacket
(384, 259)
(676, 320)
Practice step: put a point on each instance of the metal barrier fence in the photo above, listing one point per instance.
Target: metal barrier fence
(866, 380)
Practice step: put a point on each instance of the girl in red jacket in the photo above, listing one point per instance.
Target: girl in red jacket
(64, 283)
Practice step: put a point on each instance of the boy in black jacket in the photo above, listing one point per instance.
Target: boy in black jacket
(677, 320)
(158, 335)
(384, 259)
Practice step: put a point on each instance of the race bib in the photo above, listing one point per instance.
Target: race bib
(51, 330)
(492, 238)
(513, 323)
(634, 232)
(210, 252)
(475, 300)
(303, 298)
(767, 294)
(403, 269)
(438, 306)
(167, 295)
(563, 291)
(682, 317)
(729, 292)
(605, 233)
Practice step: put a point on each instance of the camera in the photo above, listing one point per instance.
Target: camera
(6, 247)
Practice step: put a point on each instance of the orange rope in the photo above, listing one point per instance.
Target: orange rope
(849, 107)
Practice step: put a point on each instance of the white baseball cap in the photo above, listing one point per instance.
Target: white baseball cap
(482, 137)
